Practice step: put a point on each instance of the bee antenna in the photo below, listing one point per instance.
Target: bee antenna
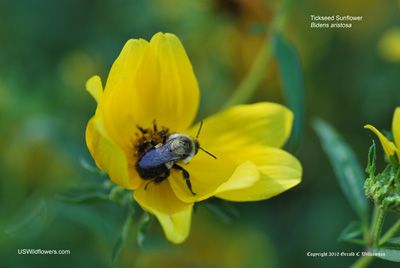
(198, 133)
(207, 152)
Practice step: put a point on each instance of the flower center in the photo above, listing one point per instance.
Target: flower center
(147, 137)
(156, 156)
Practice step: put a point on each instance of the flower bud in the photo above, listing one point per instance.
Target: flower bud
(383, 188)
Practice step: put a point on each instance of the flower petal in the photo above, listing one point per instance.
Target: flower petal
(267, 124)
(245, 175)
(387, 145)
(228, 135)
(104, 151)
(122, 109)
(278, 172)
(95, 88)
(121, 73)
(206, 175)
(150, 81)
(176, 99)
(396, 127)
(173, 214)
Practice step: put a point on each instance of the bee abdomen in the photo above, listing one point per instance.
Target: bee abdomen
(150, 172)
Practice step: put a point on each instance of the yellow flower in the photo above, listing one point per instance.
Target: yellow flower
(155, 81)
(389, 45)
(389, 147)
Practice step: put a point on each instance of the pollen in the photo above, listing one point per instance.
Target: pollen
(148, 136)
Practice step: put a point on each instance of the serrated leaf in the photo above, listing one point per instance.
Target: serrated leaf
(31, 223)
(222, 209)
(389, 251)
(143, 224)
(229, 207)
(347, 169)
(292, 79)
(123, 234)
(352, 230)
(91, 197)
(90, 168)
(217, 211)
(359, 242)
(350, 234)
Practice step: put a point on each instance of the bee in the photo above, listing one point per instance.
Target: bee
(154, 164)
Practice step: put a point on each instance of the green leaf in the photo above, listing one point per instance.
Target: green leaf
(346, 167)
(389, 251)
(371, 166)
(30, 222)
(224, 210)
(82, 197)
(123, 234)
(90, 168)
(143, 224)
(351, 232)
(121, 196)
(293, 85)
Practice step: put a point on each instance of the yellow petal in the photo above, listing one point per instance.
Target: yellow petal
(176, 99)
(245, 175)
(124, 67)
(122, 111)
(267, 124)
(173, 214)
(389, 45)
(94, 87)
(278, 172)
(396, 130)
(206, 175)
(387, 145)
(396, 127)
(150, 81)
(105, 152)
(229, 135)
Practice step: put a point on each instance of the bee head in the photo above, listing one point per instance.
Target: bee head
(196, 146)
(184, 146)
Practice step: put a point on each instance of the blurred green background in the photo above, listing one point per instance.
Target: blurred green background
(49, 49)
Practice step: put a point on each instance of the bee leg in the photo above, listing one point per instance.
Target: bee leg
(147, 185)
(142, 147)
(160, 179)
(154, 126)
(141, 130)
(185, 176)
(164, 136)
(150, 142)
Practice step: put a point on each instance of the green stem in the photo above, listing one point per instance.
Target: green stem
(378, 227)
(373, 224)
(253, 78)
(363, 262)
(249, 84)
(377, 224)
(391, 232)
(124, 231)
(114, 193)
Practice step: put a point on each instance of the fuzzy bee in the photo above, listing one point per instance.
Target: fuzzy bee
(155, 163)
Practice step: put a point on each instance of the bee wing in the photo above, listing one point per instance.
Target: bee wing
(158, 156)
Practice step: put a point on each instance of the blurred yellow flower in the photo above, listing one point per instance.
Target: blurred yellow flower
(389, 147)
(240, 245)
(389, 45)
(155, 81)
